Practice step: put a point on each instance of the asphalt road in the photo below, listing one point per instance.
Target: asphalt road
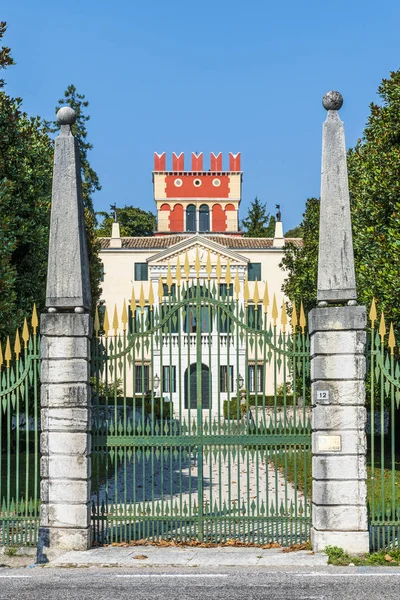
(324, 583)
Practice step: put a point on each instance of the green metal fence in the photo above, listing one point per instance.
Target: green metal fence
(383, 442)
(201, 418)
(19, 437)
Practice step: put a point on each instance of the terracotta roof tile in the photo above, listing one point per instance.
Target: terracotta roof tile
(233, 242)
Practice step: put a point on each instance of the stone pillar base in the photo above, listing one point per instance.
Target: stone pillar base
(339, 491)
(53, 541)
(354, 542)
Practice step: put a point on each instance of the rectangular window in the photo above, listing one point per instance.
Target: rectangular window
(256, 378)
(169, 318)
(101, 271)
(141, 271)
(165, 290)
(225, 380)
(254, 271)
(169, 379)
(254, 317)
(224, 290)
(142, 381)
(143, 319)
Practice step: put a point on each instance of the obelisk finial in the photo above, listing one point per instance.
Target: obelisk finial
(336, 275)
(68, 284)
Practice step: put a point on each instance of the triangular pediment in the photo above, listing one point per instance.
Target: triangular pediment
(197, 245)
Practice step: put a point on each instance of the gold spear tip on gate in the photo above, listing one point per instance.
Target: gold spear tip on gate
(372, 313)
(274, 312)
(160, 289)
(246, 292)
(284, 319)
(25, 332)
(142, 301)
(151, 296)
(1, 357)
(178, 274)
(35, 320)
(106, 323)
(237, 284)
(17, 345)
(169, 279)
(392, 339)
(302, 320)
(208, 266)
(256, 295)
(133, 302)
(197, 264)
(115, 320)
(124, 317)
(96, 324)
(266, 298)
(218, 269)
(382, 328)
(7, 354)
(228, 275)
(186, 267)
(294, 321)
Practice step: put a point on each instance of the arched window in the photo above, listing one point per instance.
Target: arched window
(191, 218)
(204, 218)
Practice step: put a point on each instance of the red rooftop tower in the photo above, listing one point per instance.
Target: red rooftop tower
(197, 201)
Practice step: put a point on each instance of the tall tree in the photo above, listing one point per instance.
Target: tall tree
(374, 182)
(133, 222)
(90, 180)
(6, 60)
(296, 232)
(301, 262)
(258, 223)
(25, 191)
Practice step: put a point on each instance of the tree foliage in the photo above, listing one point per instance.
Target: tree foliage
(26, 166)
(374, 182)
(301, 262)
(26, 156)
(133, 222)
(296, 232)
(259, 222)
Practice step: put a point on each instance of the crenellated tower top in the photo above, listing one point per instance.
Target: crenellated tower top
(197, 200)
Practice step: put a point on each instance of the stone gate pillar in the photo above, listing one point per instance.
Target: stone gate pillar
(65, 350)
(338, 338)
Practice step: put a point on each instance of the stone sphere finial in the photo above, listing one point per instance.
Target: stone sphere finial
(332, 100)
(66, 116)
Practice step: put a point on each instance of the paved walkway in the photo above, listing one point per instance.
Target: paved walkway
(229, 480)
(153, 556)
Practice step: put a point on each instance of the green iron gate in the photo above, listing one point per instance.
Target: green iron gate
(201, 418)
(19, 437)
(383, 420)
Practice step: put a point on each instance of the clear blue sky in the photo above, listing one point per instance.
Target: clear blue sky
(219, 75)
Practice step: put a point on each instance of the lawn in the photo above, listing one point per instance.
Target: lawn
(383, 480)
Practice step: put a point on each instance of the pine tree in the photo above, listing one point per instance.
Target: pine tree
(258, 223)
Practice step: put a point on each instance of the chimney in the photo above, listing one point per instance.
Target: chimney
(279, 240)
(115, 241)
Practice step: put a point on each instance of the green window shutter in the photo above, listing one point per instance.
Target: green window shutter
(141, 271)
(254, 271)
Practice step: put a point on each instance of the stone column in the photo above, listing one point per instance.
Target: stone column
(338, 338)
(65, 351)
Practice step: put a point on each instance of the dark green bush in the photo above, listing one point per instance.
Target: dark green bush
(269, 401)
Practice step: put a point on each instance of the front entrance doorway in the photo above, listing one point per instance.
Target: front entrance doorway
(193, 393)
